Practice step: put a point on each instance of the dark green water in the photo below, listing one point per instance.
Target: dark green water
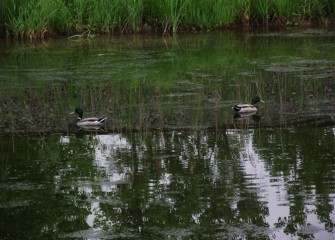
(172, 162)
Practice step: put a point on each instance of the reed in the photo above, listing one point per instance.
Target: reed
(171, 13)
(207, 14)
(262, 10)
(62, 21)
(197, 13)
(243, 10)
(31, 18)
(35, 18)
(224, 12)
(282, 8)
(330, 8)
(134, 10)
(105, 16)
(313, 8)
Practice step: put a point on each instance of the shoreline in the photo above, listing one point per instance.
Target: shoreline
(148, 30)
(39, 19)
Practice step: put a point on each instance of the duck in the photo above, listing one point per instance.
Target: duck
(87, 122)
(248, 108)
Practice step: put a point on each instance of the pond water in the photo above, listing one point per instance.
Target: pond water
(172, 160)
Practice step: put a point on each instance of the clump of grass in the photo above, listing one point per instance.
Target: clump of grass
(243, 13)
(31, 18)
(134, 11)
(105, 16)
(282, 8)
(206, 13)
(62, 20)
(261, 9)
(224, 12)
(197, 14)
(171, 13)
(330, 8)
(312, 8)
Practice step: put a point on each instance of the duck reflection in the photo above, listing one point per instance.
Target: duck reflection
(243, 117)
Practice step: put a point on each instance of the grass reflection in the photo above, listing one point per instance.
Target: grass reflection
(143, 84)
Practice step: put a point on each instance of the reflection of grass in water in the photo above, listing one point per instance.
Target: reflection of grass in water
(197, 81)
(147, 106)
(249, 86)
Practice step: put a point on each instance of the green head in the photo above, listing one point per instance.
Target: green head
(80, 112)
(255, 100)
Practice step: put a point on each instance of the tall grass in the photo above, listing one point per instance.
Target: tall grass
(261, 9)
(313, 8)
(282, 8)
(134, 10)
(169, 12)
(30, 18)
(198, 13)
(207, 13)
(224, 12)
(35, 18)
(244, 10)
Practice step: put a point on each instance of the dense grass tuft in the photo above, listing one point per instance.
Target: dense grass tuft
(36, 18)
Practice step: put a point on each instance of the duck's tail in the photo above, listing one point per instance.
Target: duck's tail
(236, 108)
(101, 120)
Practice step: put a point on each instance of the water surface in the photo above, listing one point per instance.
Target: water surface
(172, 161)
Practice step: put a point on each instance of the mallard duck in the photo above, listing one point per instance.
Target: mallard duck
(248, 108)
(87, 122)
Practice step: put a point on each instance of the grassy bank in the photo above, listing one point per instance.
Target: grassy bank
(39, 18)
